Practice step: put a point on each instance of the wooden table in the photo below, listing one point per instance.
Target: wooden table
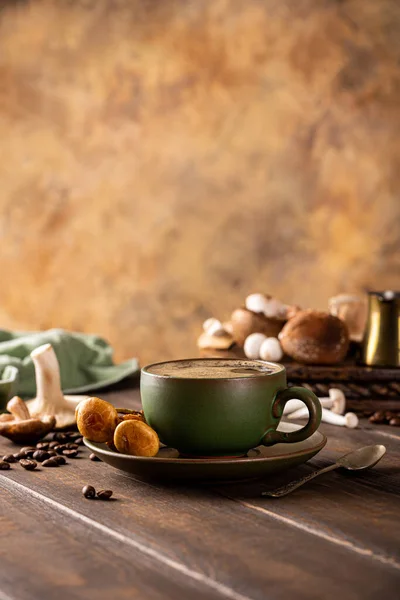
(337, 537)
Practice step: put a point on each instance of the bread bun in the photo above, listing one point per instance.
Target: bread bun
(315, 337)
(244, 322)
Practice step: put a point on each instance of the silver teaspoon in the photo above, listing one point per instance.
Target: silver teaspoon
(360, 459)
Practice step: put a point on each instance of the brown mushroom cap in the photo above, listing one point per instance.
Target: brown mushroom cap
(315, 337)
(28, 431)
(96, 419)
(244, 322)
(136, 438)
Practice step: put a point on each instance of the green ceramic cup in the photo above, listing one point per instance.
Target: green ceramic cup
(211, 416)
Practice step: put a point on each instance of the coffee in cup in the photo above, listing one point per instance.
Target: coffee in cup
(212, 407)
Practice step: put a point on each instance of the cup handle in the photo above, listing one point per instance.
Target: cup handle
(272, 436)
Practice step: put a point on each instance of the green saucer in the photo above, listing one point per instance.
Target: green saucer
(260, 462)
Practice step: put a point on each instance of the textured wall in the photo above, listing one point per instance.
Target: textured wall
(161, 159)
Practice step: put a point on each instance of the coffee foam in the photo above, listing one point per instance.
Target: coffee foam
(212, 369)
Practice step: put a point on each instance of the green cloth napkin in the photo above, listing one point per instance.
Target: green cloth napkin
(85, 360)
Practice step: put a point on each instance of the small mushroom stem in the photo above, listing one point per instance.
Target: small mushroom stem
(47, 371)
(295, 406)
(349, 420)
(17, 407)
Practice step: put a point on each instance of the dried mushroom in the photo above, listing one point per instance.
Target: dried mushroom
(96, 419)
(136, 438)
(21, 427)
(49, 397)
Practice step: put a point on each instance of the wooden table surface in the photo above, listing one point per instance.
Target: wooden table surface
(337, 537)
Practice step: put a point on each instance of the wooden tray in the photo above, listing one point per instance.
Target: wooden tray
(367, 389)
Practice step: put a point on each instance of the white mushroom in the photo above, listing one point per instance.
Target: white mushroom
(214, 327)
(49, 397)
(271, 349)
(349, 420)
(295, 406)
(252, 345)
(256, 303)
(338, 400)
(269, 306)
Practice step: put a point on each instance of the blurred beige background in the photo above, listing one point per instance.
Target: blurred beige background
(160, 160)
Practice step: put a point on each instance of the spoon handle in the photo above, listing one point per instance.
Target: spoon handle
(293, 485)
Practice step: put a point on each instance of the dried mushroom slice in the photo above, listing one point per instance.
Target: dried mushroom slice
(96, 419)
(136, 438)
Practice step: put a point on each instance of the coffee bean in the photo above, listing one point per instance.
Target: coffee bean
(50, 462)
(88, 491)
(28, 464)
(60, 437)
(104, 494)
(94, 458)
(41, 455)
(70, 453)
(4, 465)
(20, 455)
(79, 441)
(10, 458)
(59, 449)
(60, 459)
(53, 444)
(52, 453)
(72, 446)
(28, 450)
(378, 417)
(42, 445)
(74, 435)
(395, 421)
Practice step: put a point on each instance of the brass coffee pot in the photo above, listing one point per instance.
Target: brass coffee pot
(381, 344)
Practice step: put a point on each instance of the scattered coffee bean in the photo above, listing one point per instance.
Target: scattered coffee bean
(59, 449)
(20, 455)
(28, 464)
(52, 453)
(88, 491)
(53, 444)
(104, 494)
(41, 455)
(50, 462)
(79, 441)
(10, 458)
(60, 459)
(378, 417)
(70, 453)
(391, 417)
(71, 446)
(94, 458)
(74, 435)
(28, 450)
(4, 465)
(60, 437)
(42, 445)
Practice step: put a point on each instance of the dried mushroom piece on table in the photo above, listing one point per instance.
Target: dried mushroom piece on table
(22, 428)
